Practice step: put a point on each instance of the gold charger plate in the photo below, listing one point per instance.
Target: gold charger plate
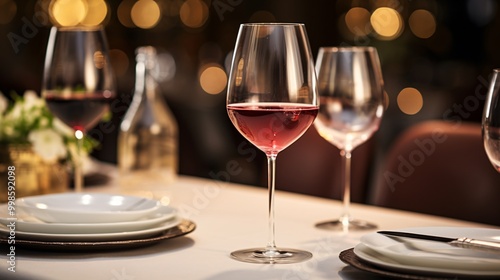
(183, 228)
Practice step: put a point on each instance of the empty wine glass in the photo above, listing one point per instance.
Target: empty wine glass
(351, 94)
(78, 81)
(272, 100)
(491, 121)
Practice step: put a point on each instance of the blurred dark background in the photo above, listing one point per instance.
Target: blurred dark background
(436, 58)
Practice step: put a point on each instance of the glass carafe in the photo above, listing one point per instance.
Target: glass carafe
(148, 138)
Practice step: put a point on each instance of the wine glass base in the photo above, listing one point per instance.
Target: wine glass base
(346, 225)
(282, 255)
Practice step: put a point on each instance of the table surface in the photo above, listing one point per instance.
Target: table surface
(228, 217)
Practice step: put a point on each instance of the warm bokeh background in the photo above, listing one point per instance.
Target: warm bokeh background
(436, 58)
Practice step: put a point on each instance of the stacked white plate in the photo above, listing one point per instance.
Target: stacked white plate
(430, 257)
(87, 217)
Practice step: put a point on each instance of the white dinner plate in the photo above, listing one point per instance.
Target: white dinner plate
(86, 207)
(421, 255)
(113, 236)
(28, 223)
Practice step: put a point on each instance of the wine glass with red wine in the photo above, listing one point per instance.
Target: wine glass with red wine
(272, 100)
(78, 82)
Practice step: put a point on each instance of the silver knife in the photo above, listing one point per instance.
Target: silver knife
(463, 242)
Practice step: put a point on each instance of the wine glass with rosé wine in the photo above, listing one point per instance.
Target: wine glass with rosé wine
(272, 100)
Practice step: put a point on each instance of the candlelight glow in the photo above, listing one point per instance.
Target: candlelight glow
(97, 11)
(213, 79)
(78, 12)
(194, 13)
(357, 21)
(387, 23)
(68, 12)
(145, 14)
(422, 24)
(119, 61)
(262, 16)
(410, 101)
(78, 134)
(124, 13)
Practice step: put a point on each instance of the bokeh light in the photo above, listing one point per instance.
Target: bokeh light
(410, 101)
(422, 23)
(145, 14)
(78, 12)
(194, 13)
(8, 9)
(387, 23)
(99, 60)
(357, 20)
(213, 79)
(166, 66)
(119, 61)
(262, 16)
(124, 13)
(97, 11)
(68, 12)
(78, 134)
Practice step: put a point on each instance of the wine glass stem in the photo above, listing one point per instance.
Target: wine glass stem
(79, 162)
(271, 177)
(346, 199)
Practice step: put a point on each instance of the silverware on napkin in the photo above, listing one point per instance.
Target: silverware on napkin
(463, 242)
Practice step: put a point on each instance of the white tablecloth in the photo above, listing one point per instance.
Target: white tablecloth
(228, 217)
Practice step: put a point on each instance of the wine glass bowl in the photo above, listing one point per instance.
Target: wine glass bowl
(78, 81)
(351, 96)
(491, 121)
(272, 100)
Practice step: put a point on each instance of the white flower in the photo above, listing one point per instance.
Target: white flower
(15, 113)
(27, 110)
(32, 100)
(30, 121)
(48, 144)
(9, 131)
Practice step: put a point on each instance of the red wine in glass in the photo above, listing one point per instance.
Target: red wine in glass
(272, 126)
(79, 111)
(78, 82)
